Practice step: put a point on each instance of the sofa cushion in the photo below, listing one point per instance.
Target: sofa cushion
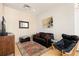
(51, 35)
(67, 43)
(41, 39)
(47, 37)
(42, 35)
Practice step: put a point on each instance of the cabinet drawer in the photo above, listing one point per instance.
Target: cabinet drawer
(1, 52)
(7, 45)
(1, 46)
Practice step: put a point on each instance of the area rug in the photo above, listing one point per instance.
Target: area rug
(31, 48)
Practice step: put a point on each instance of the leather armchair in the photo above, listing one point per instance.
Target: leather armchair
(67, 44)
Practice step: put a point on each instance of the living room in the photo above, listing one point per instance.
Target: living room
(36, 16)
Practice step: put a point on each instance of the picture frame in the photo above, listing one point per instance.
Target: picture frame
(23, 24)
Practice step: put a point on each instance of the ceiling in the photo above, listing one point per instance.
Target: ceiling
(37, 8)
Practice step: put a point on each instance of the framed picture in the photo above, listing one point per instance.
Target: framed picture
(48, 22)
(23, 24)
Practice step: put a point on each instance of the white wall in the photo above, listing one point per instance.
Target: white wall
(63, 17)
(13, 16)
(1, 11)
(77, 21)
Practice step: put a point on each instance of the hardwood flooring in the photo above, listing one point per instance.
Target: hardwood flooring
(50, 52)
(17, 52)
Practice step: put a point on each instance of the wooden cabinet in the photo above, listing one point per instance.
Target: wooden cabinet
(7, 45)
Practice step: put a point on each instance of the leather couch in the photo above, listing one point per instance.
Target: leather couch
(43, 38)
(67, 43)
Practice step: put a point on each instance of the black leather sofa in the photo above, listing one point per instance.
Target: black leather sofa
(43, 38)
(67, 43)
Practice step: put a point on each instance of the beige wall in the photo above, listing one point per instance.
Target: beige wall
(77, 22)
(13, 16)
(1, 9)
(1, 13)
(63, 20)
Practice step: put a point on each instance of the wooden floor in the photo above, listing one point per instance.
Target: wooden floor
(50, 52)
(17, 52)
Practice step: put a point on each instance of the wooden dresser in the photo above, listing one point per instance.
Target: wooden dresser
(7, 45)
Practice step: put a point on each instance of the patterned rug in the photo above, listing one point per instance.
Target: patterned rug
(31, 48)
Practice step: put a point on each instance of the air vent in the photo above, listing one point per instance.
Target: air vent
(26, 6)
